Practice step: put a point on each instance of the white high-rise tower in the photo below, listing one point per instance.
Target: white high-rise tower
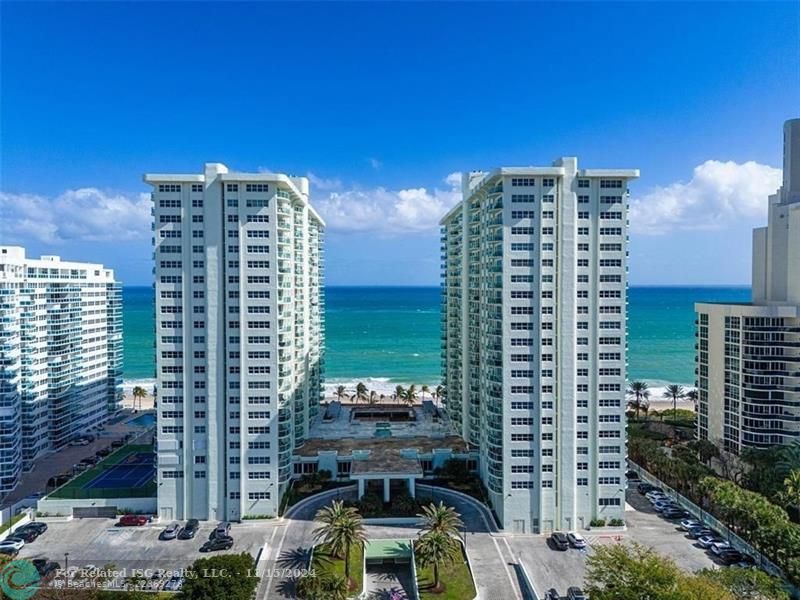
(60, 355)
(748, 355)
(533, 350)
(239, 338)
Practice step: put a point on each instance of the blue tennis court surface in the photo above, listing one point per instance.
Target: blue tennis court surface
(135, 470)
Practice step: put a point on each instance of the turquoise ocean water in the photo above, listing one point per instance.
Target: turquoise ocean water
(392, 334)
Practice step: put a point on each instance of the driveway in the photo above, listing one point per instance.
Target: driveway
(492, 558)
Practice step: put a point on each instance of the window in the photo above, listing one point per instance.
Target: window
(169, 187)
(523, 198)
(610, 183)
(547, 182)
(256, 187)
(522, 214)
(523, 181)
(232, 187)
(583, 183)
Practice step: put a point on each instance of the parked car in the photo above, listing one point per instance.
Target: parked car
(218, 543)
(12, 543)
(730, 556)
(132, 520)
(222, 530)
(117, 444)
(170, 532)
(8, 550)
(662, 504)
(552, 594)
(687, 524)
(26, 535)
(746, 562)
(189, 530)
(645, 487)
(44, 566)
(632, 475)
(654, 493)
(718, 547)
(575, 593)
(698, 532)
(103, 452)
(673, 512)
(705, 541)
(174, 584)
(560, 540)
(42, 527)
(576, 540)
(80, 442)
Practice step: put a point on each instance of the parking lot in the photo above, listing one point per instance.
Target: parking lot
(561, 569)
(98, 542)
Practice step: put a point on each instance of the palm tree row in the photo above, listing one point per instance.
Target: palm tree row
(401, 394)
(639, 397)
(437, 544)
(340, 528)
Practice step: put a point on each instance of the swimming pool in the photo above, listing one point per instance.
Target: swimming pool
(145, 420)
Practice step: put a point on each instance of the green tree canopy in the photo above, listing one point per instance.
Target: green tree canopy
(223, 577)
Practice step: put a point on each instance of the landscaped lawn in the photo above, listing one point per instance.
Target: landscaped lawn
(455, 577)
(324, 564)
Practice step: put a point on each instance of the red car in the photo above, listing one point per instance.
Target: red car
(132, 520)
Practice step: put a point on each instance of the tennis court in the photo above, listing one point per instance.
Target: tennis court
(134, 471)
(130, 472)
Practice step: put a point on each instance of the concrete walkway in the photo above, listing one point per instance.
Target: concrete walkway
(389, 582)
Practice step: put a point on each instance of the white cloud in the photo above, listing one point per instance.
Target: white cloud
(718, 194)
(375, 163)
(385, 211)
(83, 214)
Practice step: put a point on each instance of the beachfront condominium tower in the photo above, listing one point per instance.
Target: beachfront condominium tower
(748, 355)
(60, 355)
(239, 338)
(533, 352)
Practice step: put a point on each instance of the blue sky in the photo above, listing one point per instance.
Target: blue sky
(380, 103)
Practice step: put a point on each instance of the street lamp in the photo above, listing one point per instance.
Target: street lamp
(66, 562)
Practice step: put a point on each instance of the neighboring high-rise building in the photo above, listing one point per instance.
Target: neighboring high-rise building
(748, 355)
(239, 338)
(534, 342)
(60, 355)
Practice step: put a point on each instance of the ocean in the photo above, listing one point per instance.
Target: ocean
(385, 336)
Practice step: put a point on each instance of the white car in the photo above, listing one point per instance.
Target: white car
(687, 524)
(79, 442)
(706, 541)
(576, 540)
(657, 496)
(12, 544)
(718, 547)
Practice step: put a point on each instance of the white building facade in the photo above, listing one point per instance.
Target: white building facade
(748, 355)
(534, 269)
(60, 355)
(239, 338)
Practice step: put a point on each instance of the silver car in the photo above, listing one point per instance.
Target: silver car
(170, 532)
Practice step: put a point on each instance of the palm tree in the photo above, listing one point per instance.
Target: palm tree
(399, 393)
(411, 394)
(373, 397)
(791, 490)
(436, 548)
(361, 392)
(424, 389)
(340, 527)
(341, 392)
(441, 393)
(440, 518)
(675, 392)
(693, 396)
(383, 397)
(789, 458)
(639, 393)
(337, 587)
(138, 393)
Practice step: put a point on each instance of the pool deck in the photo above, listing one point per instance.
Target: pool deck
(346, 434)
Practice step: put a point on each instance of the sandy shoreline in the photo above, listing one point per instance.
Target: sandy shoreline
(382, 386)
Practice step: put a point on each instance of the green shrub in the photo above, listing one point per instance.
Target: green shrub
(616, 523)
(597, 523)
(370, 505)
